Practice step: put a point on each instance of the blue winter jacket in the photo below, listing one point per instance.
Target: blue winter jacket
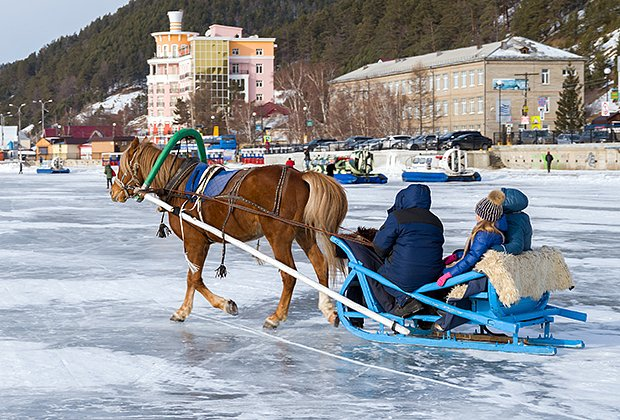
(412, 240)
(518, 232)
(481, 243)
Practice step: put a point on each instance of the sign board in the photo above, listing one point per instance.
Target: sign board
(605, 109)
(504, 111)
(614, 94)
(259, 127)
(542, 101)
(509, 84)
(309, 123)
(508, 128)
(535, 121)
(525, 110)
(525, 120)
(542, 113)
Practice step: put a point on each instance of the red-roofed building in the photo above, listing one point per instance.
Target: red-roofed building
(86, 132)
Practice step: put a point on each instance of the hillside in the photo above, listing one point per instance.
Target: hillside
(111, 53)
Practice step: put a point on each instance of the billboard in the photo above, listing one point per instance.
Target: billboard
(509, 84)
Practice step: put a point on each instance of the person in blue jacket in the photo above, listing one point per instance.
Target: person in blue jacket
(484, 236)
(517, 228)
(411, 241)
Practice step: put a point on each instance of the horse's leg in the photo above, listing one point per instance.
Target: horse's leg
(307, 242)
(197, 255)
(281, 244)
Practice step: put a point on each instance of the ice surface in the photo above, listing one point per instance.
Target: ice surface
(86, 291)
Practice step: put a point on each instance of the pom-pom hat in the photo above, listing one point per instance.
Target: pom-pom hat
(490, 208)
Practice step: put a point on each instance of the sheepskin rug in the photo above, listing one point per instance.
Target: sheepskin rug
(526, 275)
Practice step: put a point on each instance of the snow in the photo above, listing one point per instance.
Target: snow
(87, 290)
(115, 103)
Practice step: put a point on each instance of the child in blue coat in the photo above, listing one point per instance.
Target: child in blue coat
(483, 237)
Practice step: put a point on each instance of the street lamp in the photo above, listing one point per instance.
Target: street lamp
(19, 116)
(2, 117)
(253, 130)
(42, 102)
(607, 72)
(305, 109)
(212, 125)
(113, 130)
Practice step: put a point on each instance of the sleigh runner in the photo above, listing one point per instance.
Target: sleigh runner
(487, 311)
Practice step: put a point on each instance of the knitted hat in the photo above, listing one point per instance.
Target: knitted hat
(490, 208)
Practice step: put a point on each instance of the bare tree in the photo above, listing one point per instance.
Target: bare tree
(242, 121)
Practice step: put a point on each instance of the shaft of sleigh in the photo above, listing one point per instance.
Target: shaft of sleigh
(242, 245)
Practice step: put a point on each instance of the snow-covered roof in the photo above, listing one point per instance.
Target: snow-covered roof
(513, 48)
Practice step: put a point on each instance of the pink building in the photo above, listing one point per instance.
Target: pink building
(185, 61)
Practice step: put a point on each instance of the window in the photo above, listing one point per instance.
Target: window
(445, 108)
(463, 79)
(568, 71)
(471, 105)
(259, 97)
(456, 107)
(544, 76)
(463, 106)
(480, 77)
(438, 82)
(430, 83)
(445, 81)
(259, 69)
(234, 68)
(165, 51)
(410, 89)
(174, 87)
(259, 51)
(480, 105)
(472, 78)
(235, 51)
(160, 88)
(456, 79)
(175, 50)
(259, 83)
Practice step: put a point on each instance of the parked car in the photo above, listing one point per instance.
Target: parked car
(469, 142)
(316, 142)
(423, 142)
(454, 134)
(396, 142)
(535, 137)
(568, 138)
(372, 144)
(596, 136)
(351, 142)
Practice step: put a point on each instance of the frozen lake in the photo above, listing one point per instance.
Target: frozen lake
(87, 289)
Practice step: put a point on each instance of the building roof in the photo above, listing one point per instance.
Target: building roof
(270, 108)
(83, 131)
(513, 48)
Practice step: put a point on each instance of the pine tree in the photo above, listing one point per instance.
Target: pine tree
(182, 113)
(570, 115)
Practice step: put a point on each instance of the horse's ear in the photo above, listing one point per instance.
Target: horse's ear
(135, 143)
(144, 140)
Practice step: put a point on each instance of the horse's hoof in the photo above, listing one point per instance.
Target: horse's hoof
(334, 320)
(231, 308)
(270, 325)
(176, 318)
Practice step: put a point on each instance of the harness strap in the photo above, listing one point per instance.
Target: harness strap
(183, 172)
(279, 189)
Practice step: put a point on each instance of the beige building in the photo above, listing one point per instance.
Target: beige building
(461, 86)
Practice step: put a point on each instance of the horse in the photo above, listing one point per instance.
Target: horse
(309, 206)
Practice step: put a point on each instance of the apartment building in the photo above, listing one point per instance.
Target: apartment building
(463, 87)
(222, 60)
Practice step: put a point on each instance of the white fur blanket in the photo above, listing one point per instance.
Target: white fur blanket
(526, 275)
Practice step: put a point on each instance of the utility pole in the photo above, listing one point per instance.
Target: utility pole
(525, 109)
(42, 102)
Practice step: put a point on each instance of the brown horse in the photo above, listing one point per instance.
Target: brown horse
(308, 198)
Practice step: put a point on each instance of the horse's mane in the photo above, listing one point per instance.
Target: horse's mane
(146, 154)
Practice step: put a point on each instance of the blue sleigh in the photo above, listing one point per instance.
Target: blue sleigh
(487, 311)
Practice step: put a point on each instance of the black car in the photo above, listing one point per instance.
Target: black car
(316, 142)
(423, 142)
(351, 142)
(454, 134)
(469, 142)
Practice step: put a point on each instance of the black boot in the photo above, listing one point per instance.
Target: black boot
(410, 307)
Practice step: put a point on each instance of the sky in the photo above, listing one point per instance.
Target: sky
(28, 25)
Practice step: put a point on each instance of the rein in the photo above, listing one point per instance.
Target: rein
(228, 200)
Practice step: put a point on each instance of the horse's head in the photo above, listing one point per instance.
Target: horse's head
(129, 177)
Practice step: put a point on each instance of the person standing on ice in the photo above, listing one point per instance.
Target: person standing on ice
(109, 174)
(548, 159)
(307, 158)
(411, 241)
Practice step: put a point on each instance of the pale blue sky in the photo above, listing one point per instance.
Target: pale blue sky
(27, 25)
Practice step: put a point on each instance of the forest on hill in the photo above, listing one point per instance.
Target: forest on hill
(111, 52)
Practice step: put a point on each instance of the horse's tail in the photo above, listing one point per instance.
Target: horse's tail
(326, 209)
